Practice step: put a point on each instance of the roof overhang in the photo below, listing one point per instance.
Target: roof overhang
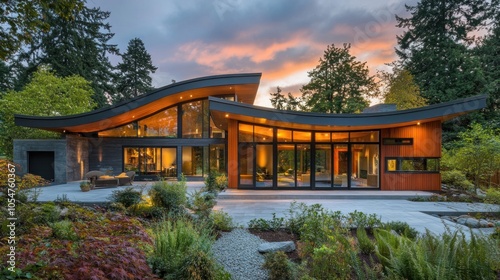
(222, 110)
(244, 86)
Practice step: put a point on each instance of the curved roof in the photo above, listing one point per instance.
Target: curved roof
(222, 110)
(244, 86)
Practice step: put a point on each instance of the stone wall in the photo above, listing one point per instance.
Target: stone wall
(58, 146)
(77, 157)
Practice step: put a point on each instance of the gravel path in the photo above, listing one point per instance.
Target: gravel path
(237, 252)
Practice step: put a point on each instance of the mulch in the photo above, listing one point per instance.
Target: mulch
(278, 236)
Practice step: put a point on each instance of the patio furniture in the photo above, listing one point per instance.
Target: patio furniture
(126, 178)
(100, 179)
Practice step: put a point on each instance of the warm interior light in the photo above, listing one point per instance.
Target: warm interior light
(418, 123)
(227, 115)
(190, 95)
(181, 97)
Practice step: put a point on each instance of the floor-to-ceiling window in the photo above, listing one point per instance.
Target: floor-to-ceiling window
(286, 158)
(151, 162)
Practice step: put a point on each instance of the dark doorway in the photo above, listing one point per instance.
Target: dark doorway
(41, 164)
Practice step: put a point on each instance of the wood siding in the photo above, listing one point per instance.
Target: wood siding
(426, 143)
(232, 151)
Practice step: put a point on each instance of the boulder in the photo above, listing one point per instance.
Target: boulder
(470, 222)
(285, 246)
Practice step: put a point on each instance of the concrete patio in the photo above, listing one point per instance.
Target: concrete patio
(244, 205)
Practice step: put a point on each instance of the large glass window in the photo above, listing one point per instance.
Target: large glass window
(245, 132)
(340, 165)
(264, 165)
(246, 160)
(365, 162)
(303, 165)
(194, 161)
(364, 136)
(323, 165)
(218, 158)
(162, 124)
(129, 130)
(263, 134)
(286, 165)
(195, 119)
(412, 165)
(151, 161)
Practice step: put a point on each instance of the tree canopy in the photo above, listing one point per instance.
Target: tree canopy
(401, 89)
(45, 95)
(20, 19)
(134, 71)
(77, 45)
(339, 84)
(281, 102)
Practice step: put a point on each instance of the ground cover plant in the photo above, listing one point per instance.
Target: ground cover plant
(333, 245)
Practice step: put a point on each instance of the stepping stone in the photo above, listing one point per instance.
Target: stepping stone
(285, 246)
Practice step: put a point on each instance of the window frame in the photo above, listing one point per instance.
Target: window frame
(399, 163)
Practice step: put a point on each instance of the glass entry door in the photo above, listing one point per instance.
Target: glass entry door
(340, 166)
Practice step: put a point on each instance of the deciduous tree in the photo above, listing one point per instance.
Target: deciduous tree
(76, 46)
(339, 84)
(401, 89)
(45, 95)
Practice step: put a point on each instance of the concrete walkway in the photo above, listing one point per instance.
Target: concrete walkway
(245, 205)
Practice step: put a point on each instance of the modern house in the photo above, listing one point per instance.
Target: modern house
(210, 123)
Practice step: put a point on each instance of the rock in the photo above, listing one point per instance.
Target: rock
(480, 193)
(470, 222)
(285, 246)
(448, 218)
(483, 223)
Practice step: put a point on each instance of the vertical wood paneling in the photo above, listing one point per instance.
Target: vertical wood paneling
(232, 161)
(426, 143)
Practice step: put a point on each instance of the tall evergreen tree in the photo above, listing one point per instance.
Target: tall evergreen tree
(289, 103)
(339, 84)
(19, 19)
(75, 46)
(436, 46)
(489, 55)
(134, 78)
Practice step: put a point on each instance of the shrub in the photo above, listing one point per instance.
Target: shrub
(202, 202)
(221, 220)
(366, 246)
(402, 228)
(273, 224)
(46, 213)
(215, 182)
(169, 195)
(330, 262)
(176, 246)
(149, 212)
(278, 266)
(127, 197)
(492, 196)
(456, 179)
(64, 230)
(359, 219)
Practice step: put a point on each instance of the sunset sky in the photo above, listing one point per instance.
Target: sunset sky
(282, 39)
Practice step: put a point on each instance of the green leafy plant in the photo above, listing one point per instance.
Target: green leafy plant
(456, 179)
(85, 186)
(366, 246)
(202, 202)
(169, 195)
(127, 197)
(64, 230)
(278, 266)
(449, 256)
(179, 250)
(221, 220)
(492, 196)
(215, 182)
(402, 228)
(274, 224)
(358, 219)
